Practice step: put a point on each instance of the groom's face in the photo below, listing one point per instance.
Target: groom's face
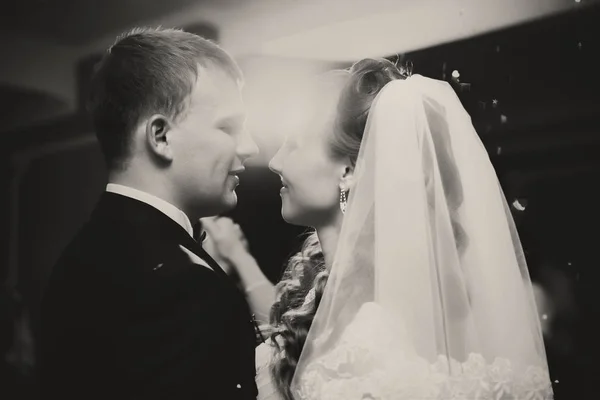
(210, 145)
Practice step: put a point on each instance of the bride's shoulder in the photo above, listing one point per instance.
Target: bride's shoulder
(374, 321)
(372, 333)
(264, 383)
(263, 350)
(264, 353)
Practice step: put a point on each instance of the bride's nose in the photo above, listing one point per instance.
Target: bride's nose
(275, 163)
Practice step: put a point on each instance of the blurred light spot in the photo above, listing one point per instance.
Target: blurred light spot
(518, 206)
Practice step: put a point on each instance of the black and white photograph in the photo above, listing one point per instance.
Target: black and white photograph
(300, 200)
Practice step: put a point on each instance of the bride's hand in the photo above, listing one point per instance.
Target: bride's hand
(224, 238)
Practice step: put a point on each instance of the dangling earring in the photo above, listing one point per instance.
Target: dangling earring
(343, 201)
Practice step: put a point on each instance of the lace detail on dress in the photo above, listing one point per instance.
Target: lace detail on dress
(264, 383)
(366, 365)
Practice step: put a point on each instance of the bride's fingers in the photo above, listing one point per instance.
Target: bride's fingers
(228, 227)
(240, 237)
(225, 223)
(223, 228)
(208, 219)
(210, 226)
(238, 230)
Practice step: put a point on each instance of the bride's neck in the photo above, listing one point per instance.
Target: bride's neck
(328, 238)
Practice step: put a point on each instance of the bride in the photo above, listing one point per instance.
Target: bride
(413, 284)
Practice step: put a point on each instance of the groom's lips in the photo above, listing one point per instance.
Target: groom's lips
(237, 171)
(234, 173)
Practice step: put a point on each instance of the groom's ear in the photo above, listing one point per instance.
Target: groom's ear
(347, 181)
(157, 137)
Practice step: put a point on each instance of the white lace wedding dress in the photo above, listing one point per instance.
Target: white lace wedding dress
(429, 295)
(369, 362)
(266, 387)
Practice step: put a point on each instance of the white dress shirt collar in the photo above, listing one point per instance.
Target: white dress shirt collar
(165, 207)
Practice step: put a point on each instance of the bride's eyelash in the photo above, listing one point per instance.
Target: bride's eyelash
(228, 129)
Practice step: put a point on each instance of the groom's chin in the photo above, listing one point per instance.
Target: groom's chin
(230, 200)
(220, 205)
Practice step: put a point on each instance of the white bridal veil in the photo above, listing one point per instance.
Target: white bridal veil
(429, 296)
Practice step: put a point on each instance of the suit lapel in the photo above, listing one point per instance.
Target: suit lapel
(121, 208)
(196, 248)
(200, 252)
(195, 258)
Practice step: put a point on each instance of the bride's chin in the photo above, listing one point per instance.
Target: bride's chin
(292, 212)
(285, 216)
(288, 216)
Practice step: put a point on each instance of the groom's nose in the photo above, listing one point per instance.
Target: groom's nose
(246, 147)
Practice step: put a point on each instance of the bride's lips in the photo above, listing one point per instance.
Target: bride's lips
(284, 187)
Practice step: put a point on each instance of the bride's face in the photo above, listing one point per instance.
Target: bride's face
(310, 176)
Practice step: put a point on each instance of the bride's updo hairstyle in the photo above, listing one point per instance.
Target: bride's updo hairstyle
(294, 310)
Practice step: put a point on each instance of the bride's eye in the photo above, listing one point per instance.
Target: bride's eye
(227, 129)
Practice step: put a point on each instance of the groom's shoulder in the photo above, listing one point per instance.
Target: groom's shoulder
(112, 237)
(102, 245)
(151, 267)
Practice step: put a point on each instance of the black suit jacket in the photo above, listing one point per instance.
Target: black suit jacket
(127, 315)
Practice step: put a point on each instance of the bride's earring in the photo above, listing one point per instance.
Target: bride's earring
(343, 201)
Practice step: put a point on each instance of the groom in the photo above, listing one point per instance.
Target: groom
(135, 308)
